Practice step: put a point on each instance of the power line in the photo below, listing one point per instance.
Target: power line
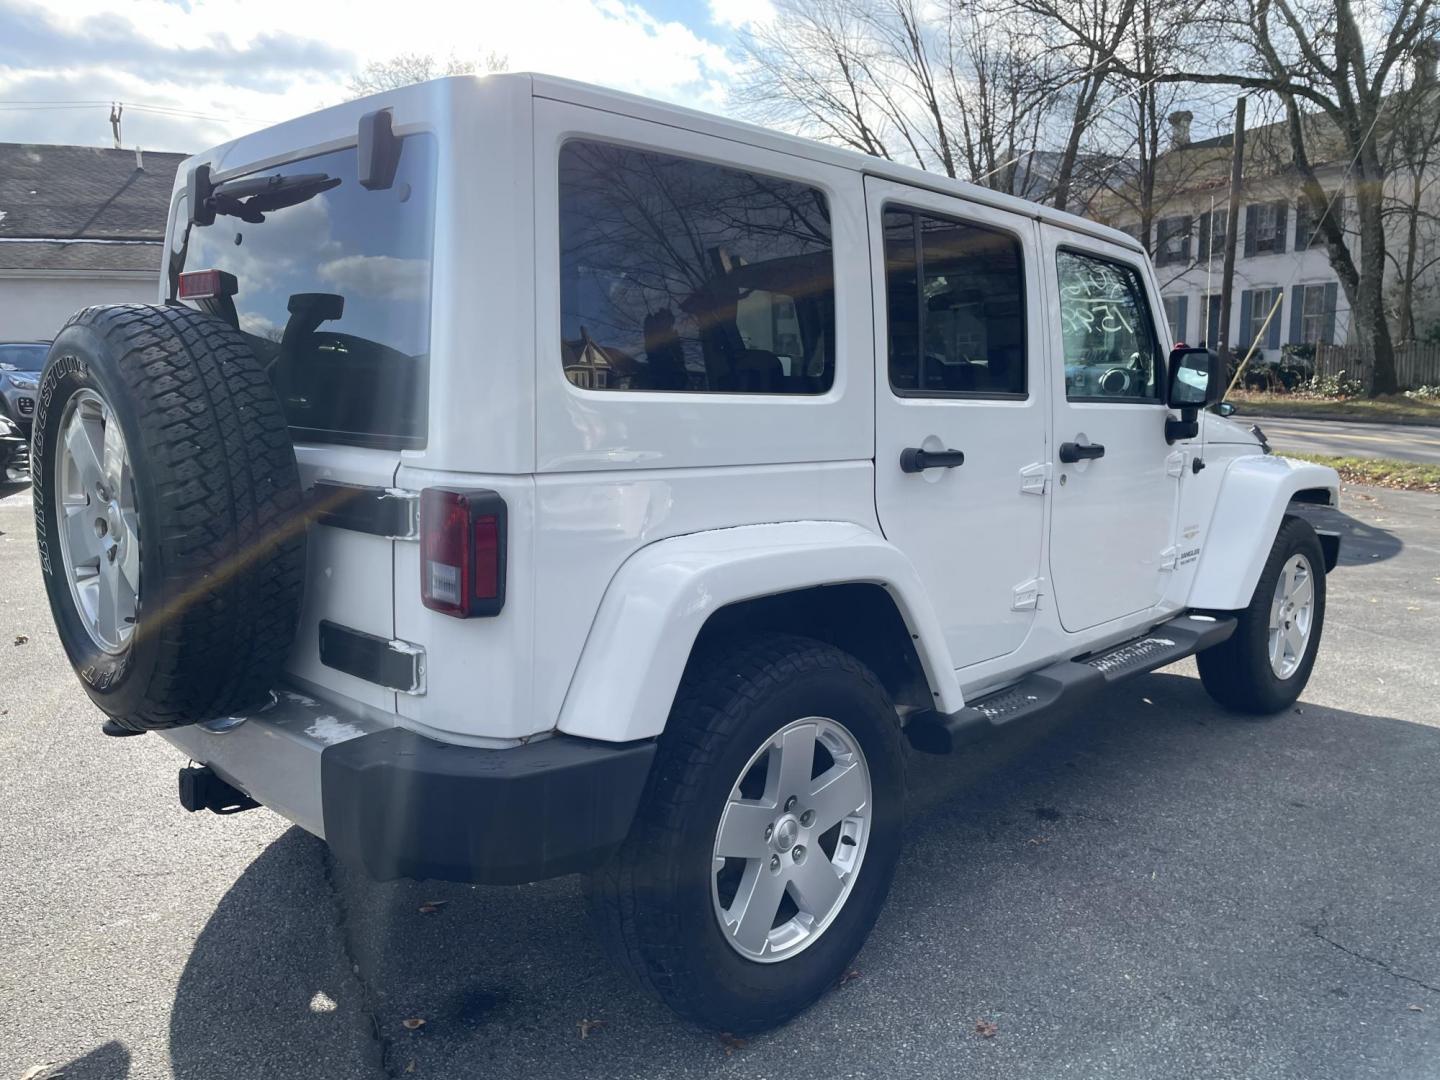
(159, 110)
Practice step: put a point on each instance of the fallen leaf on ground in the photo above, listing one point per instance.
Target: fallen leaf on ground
(21, 639)
(1416, 1008)
(430, 907)
(35, 1071)
(1038, 840)
(849, 977)
(413, 1023)
(410, 1068)
(587, 1026)
(987, 1029)
(730, 1043)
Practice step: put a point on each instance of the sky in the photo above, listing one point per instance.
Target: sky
(192, 73)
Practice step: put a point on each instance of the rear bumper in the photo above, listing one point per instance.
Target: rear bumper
(398, 804)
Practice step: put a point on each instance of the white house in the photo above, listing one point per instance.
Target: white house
(78, 226)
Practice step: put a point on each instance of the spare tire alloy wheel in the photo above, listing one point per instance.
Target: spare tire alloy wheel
(784, 863)
(99, 530)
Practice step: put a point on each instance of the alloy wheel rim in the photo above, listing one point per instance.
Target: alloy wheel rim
(96, 519)
(1292, 615)
(791, 839)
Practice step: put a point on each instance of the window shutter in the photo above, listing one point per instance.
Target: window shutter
(1282, 223)
(1204, 251)
(1330, 296)
(1339, 210)
(1272, 336)
(1250, 229)
(1182, 305)
(1302, 224)
(1243, 339)
(1187, 224)
(1297, 310)
(1164, 228)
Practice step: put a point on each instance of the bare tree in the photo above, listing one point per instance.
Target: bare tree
(1332, 69)
(1411, 155)
(406, 69)
(959, 87)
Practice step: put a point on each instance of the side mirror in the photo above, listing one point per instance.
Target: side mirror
(1196, 380)
(1225, 408)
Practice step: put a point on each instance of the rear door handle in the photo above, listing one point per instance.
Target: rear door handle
(913, 459)
(1071, 452)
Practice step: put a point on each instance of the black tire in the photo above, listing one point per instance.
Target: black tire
(652, 904)
(218, 501)
(1237, 673)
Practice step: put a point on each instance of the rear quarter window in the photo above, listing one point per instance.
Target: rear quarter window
(679, 275)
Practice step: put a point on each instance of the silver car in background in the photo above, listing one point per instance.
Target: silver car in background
(20, 366)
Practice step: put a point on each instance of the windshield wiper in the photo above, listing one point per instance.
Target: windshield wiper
(251, 198)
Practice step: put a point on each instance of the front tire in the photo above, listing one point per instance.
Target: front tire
(1263, 667)
(766, 838)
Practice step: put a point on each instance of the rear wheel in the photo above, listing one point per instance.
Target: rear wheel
(1265, 664)
(766, 839)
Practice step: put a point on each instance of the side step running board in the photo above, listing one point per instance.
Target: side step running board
(1067, 682)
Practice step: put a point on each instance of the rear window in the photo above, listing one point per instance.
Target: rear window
(680, 275)
(334, 295)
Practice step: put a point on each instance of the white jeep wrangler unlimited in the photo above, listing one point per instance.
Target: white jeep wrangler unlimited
(517, 478)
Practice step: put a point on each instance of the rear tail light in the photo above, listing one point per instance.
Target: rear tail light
(206, 285)
(462, 552)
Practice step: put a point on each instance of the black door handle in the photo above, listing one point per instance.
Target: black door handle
(1071, 452)
(913, 459)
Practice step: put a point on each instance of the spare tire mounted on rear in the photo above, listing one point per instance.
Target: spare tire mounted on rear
(168, 513)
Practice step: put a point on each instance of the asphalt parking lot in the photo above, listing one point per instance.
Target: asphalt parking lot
(1152, 889)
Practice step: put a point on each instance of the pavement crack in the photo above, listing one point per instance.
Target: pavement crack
(369, 998)
(1383, 965)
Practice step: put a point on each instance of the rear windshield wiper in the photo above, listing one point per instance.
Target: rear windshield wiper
(251, 198)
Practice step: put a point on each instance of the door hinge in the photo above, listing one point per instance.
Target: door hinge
(1027, 595)
(1033, 478)
(1175, 463)
(1168, 558)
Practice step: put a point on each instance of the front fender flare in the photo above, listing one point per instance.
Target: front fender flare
(1254, 496)
(662, 595)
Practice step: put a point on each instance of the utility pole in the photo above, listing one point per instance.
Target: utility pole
(115, 110)
(1227, 274)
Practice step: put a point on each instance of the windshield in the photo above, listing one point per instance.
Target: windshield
(333, 290)
(29, 357)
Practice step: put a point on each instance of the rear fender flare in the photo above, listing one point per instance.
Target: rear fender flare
(661, 597)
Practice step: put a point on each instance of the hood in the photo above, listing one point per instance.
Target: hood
(1221, 429)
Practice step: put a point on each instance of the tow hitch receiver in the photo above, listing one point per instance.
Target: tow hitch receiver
(201, 789)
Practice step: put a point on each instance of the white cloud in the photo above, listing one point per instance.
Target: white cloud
(378, 275)
(243, 63)
(739, 14)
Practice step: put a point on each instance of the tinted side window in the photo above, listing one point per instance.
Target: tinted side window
(1111, 351)
(678, 275)
(956, 307)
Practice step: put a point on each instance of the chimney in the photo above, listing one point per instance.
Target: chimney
(1426, 53)
(1180, 128)
(139, 159)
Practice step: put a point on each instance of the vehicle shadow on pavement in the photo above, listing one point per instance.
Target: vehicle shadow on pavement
(109, 1061)
(1153, 887)
(1361, 544)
